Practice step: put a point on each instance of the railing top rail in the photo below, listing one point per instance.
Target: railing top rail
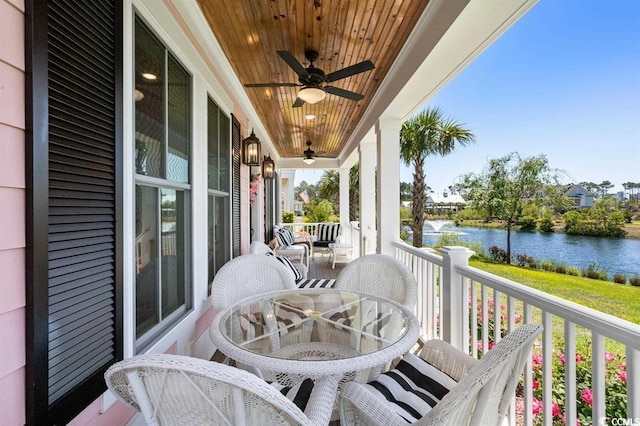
(607, 325)
(429, 255)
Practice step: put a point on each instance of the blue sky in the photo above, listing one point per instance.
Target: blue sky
(564, 81)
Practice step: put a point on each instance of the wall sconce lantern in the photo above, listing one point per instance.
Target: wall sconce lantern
(268, 167)
(251, 150)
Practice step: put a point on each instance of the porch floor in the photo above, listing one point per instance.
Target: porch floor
(320, 267)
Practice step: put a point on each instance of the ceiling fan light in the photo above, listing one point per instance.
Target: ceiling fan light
(312, 95)
(308, 160)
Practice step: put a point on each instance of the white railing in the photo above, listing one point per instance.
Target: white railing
(472, 309)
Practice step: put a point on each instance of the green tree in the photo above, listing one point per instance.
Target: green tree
(406, 190)
(508, 183)
(426, 134)
(320, 212)
(328, 188)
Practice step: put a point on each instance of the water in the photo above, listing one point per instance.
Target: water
(612, 255)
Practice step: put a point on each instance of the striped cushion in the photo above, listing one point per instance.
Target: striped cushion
(298, 394)
(286, 262)
(328, 232)
(412, 389)
(285, 237)
(316, 283)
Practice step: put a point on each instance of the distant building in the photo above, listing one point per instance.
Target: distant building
(445, 202)
(580, 197)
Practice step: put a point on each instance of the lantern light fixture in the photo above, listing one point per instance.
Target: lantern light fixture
(251, 150)
(268, 167)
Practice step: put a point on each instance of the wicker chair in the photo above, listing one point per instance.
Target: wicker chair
(246, 276)
(178, 390)
(480, 397)
(380, 275)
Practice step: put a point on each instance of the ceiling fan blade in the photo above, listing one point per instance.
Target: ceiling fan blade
(298, 103)
(344, 93)
(349, 71)
(293, 63)
(271, 85)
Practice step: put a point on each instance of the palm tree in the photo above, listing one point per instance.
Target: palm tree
(427, 133)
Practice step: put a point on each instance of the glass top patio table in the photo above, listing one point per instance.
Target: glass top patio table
(315, 332)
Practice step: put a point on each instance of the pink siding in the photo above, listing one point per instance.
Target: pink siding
(12, 211)
(118, 414)
(12, 29)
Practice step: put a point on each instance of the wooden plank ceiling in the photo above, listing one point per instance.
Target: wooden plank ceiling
(343, 32)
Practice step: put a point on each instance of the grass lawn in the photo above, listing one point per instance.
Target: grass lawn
(615, 299)
(619, 300)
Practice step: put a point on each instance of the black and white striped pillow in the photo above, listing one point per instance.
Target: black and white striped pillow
(298, 394)
(286, 262)
(411, 389)
(285, 237)
(316, 283)
(328, 232)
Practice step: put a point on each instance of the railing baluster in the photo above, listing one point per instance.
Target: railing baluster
(497, 316)
(570, 372)
(473, 301)
(547, 383)
(485, 319)
(511, 313)
(633, 383)
(528, 375)
(598, 377)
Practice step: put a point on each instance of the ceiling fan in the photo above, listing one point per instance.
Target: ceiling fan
(313, 80)
(310, 155)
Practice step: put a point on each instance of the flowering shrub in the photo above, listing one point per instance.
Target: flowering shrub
(615, 387)
(615, 375)
(256, 181)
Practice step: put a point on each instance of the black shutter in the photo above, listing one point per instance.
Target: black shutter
(236, 140)
(77, 332)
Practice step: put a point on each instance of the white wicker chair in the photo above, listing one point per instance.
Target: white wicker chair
(178, 390)
(481, 396)
(248, 275)
(380, 275)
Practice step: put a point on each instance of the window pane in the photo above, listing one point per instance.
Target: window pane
(173, 250)
(225, 146)
(147, 265)
(221, 232)
(150, 103)
(212, 142)
(218, 235)
(179, 115)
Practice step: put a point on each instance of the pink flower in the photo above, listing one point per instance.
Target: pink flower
(587, 396)
(555, 409)
(517, 318)
(561, 356)
(537, 406)
(578, 358)
(608, 356)
(622, 376)
(535, 384)
(519, 406)
(622, 366)
(536, 359)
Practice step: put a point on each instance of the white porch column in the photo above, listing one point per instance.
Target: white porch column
(388, 201)
(287, 178)
(454, 309)
(344, 195)
(367, 152)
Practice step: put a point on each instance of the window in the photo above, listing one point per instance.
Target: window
(218, 177)
(162, 200)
